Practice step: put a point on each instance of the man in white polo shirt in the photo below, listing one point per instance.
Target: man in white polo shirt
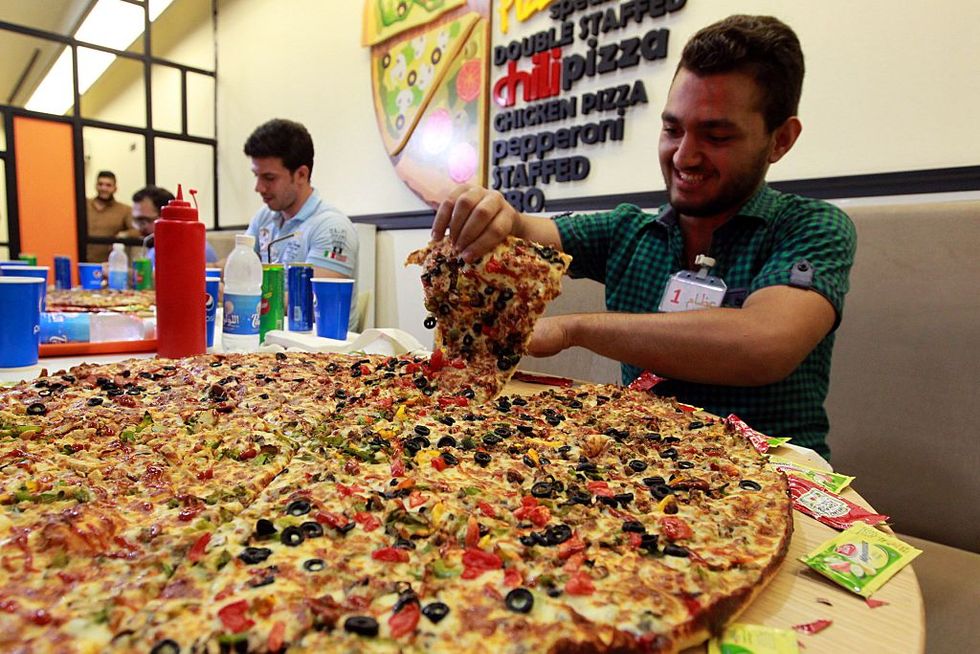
(282, 162)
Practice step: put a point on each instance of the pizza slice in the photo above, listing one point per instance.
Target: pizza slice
(484, 312)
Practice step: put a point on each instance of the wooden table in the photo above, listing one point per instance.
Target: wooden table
(798, 595)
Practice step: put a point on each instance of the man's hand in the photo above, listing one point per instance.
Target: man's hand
(477, 219)
(549, 337)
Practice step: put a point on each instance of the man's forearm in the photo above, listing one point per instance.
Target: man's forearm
(538, 229)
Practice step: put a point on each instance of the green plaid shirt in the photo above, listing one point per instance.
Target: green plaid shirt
(634, 254)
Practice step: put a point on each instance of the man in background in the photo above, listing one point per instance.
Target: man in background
(297, 225)
(106, 217)
(147, 204)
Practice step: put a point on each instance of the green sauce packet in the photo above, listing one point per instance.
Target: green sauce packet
(861, 558)
(832, 481)
(741, 638)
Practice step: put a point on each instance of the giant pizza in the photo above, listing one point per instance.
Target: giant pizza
(324, 502)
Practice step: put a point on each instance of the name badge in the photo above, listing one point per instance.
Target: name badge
(690, 291)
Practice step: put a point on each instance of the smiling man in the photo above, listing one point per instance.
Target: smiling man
(106, 217)
(281, 153)
(764, 353)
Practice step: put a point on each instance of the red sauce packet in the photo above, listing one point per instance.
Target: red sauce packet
(814, 627)
(829, 508)
(645, 381)
(759, 441)
(546, 380)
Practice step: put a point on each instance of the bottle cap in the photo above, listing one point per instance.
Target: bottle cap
(246, 240)
(180, 209)
(118, 246)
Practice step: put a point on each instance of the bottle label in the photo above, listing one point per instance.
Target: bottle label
(117, 279)
(241, 314)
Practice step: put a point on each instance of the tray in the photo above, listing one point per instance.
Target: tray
(106, 347)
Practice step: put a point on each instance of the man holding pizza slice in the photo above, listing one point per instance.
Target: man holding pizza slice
(765, 352)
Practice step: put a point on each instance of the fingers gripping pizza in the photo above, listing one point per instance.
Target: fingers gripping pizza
(484, 312)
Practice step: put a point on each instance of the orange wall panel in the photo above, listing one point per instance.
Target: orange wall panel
(44, 160)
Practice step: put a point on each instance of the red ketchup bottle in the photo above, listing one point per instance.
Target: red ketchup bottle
(179, 279)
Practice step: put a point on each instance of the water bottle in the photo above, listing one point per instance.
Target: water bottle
(118, 268)
(243, 291)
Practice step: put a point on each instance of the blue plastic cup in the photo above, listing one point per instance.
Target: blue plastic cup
(90, 275)
(20, 318)
(211, 307)
(331, 305)
(40, 272)
(10, 264)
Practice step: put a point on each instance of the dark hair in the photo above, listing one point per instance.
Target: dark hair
(762, 46)
(106, 173)
(158, 196)
(282, 138)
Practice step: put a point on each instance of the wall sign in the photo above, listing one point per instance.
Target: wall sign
(536, 87)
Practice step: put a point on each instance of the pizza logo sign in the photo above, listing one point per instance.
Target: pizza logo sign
(429, 73)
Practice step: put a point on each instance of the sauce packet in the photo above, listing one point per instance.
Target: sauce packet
(832, 481)
(759, 441)
(861, 559)
(740, 638)
(826, 507)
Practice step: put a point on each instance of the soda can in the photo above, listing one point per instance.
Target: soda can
(272, 308)
(29, 259)
(142, 274)
(300, 297)
(62, 273)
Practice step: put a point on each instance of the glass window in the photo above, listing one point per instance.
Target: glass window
(200, 105)
(114, 94)
(184, 34)
(37, 74)
(166, 99)
(113, 24)
(192, 166)
(120, 152)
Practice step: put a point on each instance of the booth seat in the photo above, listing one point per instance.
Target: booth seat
(903, 395)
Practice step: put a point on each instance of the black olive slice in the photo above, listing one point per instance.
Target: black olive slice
(446, 441)
(298, 508)
(634, 526)
(435, 611)
(519, 600)
(748, 484)
(36, 409)
(253, 555)
(637, 466)
(362, 625)
(292, 536)
(314, 565)
(312, 529)
(671, 549)
(264, 529)
(166, 646)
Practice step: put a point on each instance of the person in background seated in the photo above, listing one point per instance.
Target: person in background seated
(281, 153)
(105, 217)
(764, 353)
(147, 204)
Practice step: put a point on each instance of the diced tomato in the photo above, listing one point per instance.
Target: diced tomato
(334, 520)
(357, 602)
(397, 468)
(250, 453)
(390, 555)
(351, 467)
(472, 532)
(416, 499)
(491, 591)
(276, 636)
(412, 368)
(365, 370)
(347, 491)
(459, 363)
(9, 606)
(188, 513)
(675, 528)
(531, 510)
(573, 545)
(367, 521)
(487, 510)
(692, 604)
(476, 562)
(385, 402)
(635, 539)
(452, 400)
(40, 617)
(196, 552)
(204, 475)
(439, 463)
(405, 621)
(600, 488)
(513, 578)
(494, 267)
(489, 332)
(437, 361)
(234, 618)
(580, 583)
